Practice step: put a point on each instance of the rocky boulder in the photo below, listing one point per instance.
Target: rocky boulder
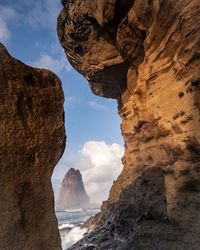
(32, 139)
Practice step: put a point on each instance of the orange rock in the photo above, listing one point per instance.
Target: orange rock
(32, 141)
(145, 57)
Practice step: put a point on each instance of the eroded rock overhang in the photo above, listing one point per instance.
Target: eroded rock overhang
(92, 34)
(145, 54)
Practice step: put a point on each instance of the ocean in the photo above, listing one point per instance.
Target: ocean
(70, 222)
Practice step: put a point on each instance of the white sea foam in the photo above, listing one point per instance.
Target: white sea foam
(66, 225)
(74, 210)
(69, 222)
(74, 235)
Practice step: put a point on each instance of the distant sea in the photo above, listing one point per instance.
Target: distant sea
(70, 222)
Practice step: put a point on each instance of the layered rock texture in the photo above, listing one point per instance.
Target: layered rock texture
(145, 54)
(32, 141)
(72, 192)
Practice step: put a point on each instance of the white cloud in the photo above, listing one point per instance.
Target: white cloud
(53, 63)
(40, 13)
(69, 99)
(97, 106)
(43, 12)
(71, 103)
(52, 57)
(100, 164)
(4, 31)
(6, 15)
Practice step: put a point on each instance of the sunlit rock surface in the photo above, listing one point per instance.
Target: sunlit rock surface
(145, 54)
(72, 192)
(32, 140)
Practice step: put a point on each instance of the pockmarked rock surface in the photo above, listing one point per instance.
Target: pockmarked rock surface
(72, 192)
(145, 54)
(32, 139)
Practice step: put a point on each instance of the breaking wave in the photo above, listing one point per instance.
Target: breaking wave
(74, 235)
(70, 223)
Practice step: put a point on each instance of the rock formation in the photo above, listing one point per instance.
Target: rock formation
(72, 192)
(145, 54)
(32, 141)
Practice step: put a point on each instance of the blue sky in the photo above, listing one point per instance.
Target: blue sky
(28, 30)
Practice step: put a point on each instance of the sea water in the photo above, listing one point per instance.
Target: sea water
(70, 224)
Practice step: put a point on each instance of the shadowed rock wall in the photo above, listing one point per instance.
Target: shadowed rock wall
(145, 54)
(32, 140)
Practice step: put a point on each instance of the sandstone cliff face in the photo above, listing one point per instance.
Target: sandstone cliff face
(32, 141)
(146, 54)
(72, 192)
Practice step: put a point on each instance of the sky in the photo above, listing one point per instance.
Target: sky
(94, 143)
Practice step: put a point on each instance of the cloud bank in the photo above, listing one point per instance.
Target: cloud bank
(99, 163)
(54, 60)
(55, 64)
(38, 15)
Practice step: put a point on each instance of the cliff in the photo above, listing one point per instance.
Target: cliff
(72, 192)
(32, 141)
(145, 54)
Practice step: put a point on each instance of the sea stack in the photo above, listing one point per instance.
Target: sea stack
(72, 192)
